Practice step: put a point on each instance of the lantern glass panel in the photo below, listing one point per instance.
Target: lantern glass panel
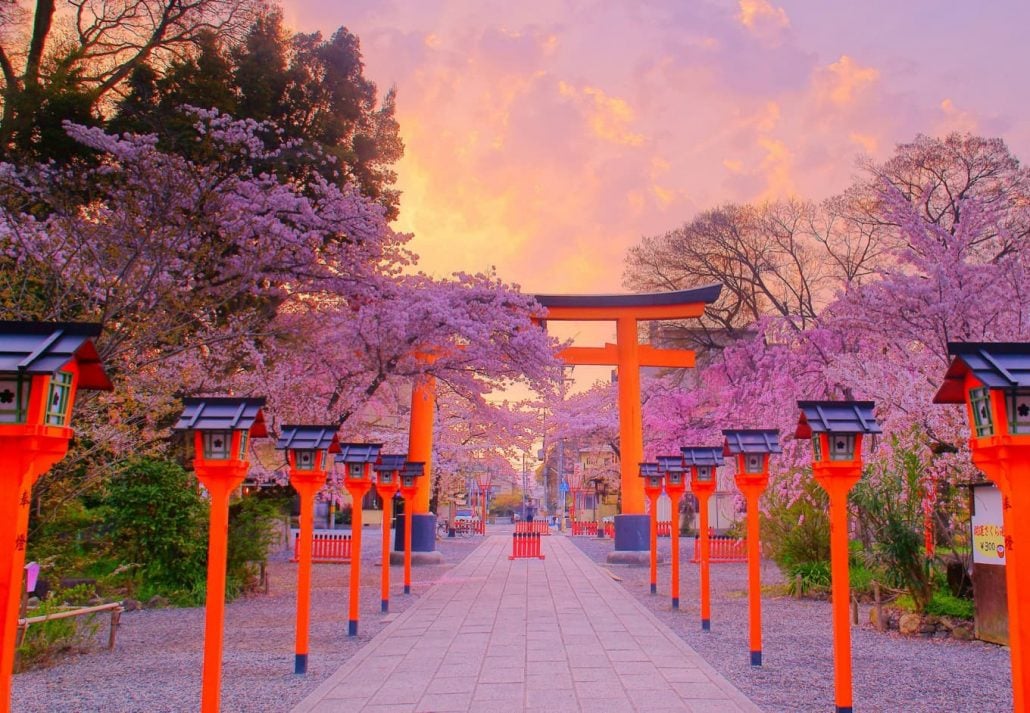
(817, 446)
(14, 398)
(407, 481)
(675, 478)
(355, 471)
(753, 463)
(217, 445)
(304, 459)
(983, 421)
(842, 446)
(1019, 411)
(59, 399)
(705, 473)
(386, 477)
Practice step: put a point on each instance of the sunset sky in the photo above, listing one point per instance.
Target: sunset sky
(545, 136)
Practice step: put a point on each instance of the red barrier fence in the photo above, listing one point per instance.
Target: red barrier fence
(609, 529)
(539, 527)
(479, 527)
(325, 548)
(664, 528)
(584, 528)
(525, 545)
(722, 549)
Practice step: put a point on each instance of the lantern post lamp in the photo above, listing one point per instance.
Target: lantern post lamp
(357, 460)
(703, 462)
(221, 428)
(409, 491)
(306, 457)
(42, 367)
(993, 381)
(388, 481)
(653, 481)
(836, 429)
(675, 486)
(752, 449)
(484, 480)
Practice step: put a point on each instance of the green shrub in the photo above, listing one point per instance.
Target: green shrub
(158, 520)
(251, 530)
(796, 530)
(814, 576)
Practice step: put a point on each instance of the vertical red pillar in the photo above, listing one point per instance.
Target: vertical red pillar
(307, 488)
(674, 534)
(752, 489)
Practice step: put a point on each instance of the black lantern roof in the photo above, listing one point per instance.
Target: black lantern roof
(759, 440)
(46, 347)
(359, 452)
(388, 463)
(703, 455)
(671, 464)
(836, 417)
(649, 469)
(997, 365)
(415, 468)
(309, 438)
(223, 413)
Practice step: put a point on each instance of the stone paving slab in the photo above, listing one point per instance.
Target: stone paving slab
(553, 635)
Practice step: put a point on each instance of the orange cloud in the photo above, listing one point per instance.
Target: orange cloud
(761, 17)
(841, 82)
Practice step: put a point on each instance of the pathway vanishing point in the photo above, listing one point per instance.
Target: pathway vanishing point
(551, 635)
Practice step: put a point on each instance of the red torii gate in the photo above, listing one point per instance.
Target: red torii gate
(628, 355)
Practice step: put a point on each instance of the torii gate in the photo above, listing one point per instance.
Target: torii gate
(627, 355)
(632, 526)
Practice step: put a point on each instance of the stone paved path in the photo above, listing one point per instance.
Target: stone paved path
(554, 635)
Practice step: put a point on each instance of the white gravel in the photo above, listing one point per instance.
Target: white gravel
(156, 664)
(891, 673)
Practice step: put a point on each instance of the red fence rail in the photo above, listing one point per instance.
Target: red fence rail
(722, 549)
(525, 545)
(584, 528)
(664, 528)
(539, 527)
(325, 547)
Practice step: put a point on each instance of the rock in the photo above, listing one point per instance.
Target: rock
(962, 632)
(131, 604)
(910, 624)
(95, 601)
(33, 602)
(156, 602)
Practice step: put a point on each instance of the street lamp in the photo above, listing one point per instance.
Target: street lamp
(388, 481)
(409, 490)
(993, 381)
(484, 480)
(836, 429)
(752, 448)
(221, 428)
(357, 460)
(703, 462)
(652, 489)
(675, 486)
(42, 367)
(306, 450)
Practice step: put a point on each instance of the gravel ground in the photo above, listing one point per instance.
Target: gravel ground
(156, 664)
(891, 673)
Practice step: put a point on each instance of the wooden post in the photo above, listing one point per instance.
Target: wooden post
(879, 606)
(798, 584)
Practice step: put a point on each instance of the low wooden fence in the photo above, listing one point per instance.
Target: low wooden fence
(326, 547)
(664, 528)
(722, 549)
(525, 545)
(584, 528)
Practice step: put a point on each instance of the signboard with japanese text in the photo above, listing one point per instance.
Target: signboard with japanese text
(988, 538)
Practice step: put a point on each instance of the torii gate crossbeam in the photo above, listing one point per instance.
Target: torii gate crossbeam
(627, 355)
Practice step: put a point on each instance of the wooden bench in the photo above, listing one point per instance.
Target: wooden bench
(115, 608)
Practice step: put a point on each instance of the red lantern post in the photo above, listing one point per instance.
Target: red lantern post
(484, 481)
(388, 471)
(752, 449)
(221, 428)
(675, 486)
(306, 448)
(993, 381)
(42, 367)
(409, 491)
(836, 429)
(653, 482)
(357, 459)
(703, 462)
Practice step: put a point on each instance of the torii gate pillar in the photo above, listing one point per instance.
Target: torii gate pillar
(632, 527)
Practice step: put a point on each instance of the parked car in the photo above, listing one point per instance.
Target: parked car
(465, 515)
